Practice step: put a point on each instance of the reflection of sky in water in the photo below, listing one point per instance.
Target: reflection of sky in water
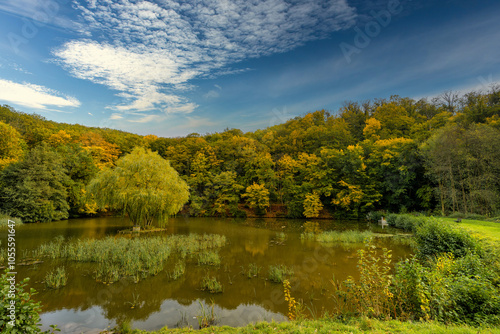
(89, 321)
(172, 314)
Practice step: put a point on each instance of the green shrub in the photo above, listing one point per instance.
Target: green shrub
(26, 309)
(435, 237)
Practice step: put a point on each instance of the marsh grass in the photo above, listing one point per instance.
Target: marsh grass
(210, 258)
(117, 257)
(179, 270)
(252, 271)
(211, 284)
(332, 237)
(4, 220)
(278, 274)
(207, 317)
(56, 279)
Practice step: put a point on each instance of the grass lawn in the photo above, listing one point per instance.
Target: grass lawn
(330, 326)
(480, 229)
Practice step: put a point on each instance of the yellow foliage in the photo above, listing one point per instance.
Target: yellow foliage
(372, 129)
(292, 303)
(59, 138)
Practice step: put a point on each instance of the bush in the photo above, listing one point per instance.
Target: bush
(26, 309)
(406, 222)
(435, 237)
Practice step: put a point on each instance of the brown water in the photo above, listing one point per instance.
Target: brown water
(84, 305)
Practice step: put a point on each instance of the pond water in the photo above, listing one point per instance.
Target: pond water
(87, 306)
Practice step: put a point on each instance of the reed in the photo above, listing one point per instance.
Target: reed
(211, 284)
(179, 270)
(118, 257)
(252, 271)
(210, 258)
(56, 279)
(332, 237)
(277, 274)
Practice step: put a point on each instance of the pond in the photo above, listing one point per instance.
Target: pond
(85, 305)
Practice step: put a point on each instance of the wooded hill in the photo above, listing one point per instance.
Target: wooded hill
(395, 154)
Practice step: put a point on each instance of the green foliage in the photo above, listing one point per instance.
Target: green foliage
(207, 317)
(436, 237)
(116, 258)
(395, 154)
(211, 284)
(406, 222)
(26, 309)
(143, 185)
(370, 295)
(277, 274)
(179, 270)
(56, 279)
(34, 189)
(252, 271)
(332, 237)
(210, 258)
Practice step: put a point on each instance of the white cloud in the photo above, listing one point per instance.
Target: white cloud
(115, 117)
(34, 96)
(149, 52)
(212, 94)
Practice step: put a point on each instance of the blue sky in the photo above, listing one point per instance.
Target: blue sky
(170, 68)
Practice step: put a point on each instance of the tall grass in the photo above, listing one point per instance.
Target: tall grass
(122, 257)
(4, 220)
(332, 237)
(277, 274)
(210, 258)
(179, 270)
(211, 284)
(56, 279)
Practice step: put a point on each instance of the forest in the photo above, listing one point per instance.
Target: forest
(439, 156)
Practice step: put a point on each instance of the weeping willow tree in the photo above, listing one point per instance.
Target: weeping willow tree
(143, 185)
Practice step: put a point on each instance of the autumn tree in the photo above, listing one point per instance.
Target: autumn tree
(257, 197)
(103, 153)
(312, 205)
(143, 185)
(11, 145)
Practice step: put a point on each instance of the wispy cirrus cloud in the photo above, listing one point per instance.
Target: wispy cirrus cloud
(34, 96)
(150, 51)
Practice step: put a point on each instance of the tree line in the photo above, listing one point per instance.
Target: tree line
(398, 154)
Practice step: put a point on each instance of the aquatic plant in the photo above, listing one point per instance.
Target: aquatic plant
(331, 237)
(277, 274)
(252, 271)
(207, 317)
(118, 257)
(211, 284)
(56, 279)
(179, 270)
(210, 258)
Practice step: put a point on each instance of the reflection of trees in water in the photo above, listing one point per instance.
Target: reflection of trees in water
(312, 227)
(257, 243)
